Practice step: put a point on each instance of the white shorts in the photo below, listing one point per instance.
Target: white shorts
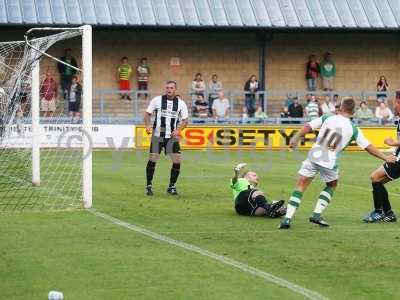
(310, 169)
(48, 105)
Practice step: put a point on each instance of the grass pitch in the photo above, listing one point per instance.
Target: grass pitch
(86, 257)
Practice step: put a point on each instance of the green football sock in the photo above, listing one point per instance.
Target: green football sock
(323, 200)
(294, 203)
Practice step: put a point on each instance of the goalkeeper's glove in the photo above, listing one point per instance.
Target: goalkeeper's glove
(239, 167)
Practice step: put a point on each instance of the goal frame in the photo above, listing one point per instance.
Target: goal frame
(87, 156)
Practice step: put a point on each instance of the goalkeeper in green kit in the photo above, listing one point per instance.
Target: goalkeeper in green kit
(250, 201)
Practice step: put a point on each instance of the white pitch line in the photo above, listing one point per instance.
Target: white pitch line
(309, 294)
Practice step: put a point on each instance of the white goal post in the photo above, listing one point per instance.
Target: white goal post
(46, 161)
(86, 111)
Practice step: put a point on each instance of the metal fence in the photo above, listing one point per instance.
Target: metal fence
(107, 106)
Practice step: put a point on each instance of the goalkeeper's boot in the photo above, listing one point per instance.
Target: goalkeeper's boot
(274, 209)
(172, 190)
(285, 223)
(317, 219)
(390, 217)
(374, 217)
(149, 190)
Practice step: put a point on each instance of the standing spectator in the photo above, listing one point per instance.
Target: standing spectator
(198, 86)
(295, 109)
(214, 87)
(312, 72)
(383, 113)
(124, 73)
(328, 72)
(364, 113)
(143, 74)
(201, 107)
(220, 106)
(312, 108)
(251, 88)
(74, 96)
(382, 86)
(48, 95)
(66, 72)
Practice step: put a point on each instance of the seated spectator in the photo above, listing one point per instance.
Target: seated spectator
(245, 115)
(65, 71)
(364, 113)
(285, 112)
(251, 87)
(48, 95)
(383, 113)
(260, 114)
(214, 87)
(312, 109)
(220, 106)
(324, 105)
(198, 87)
(201, 107)
(382, 86)
(295, 109)
(143, 74)
(124, 73)
(74, 96)
(289, 100)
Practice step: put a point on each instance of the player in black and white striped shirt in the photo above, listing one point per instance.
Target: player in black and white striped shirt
(170, 117)
(384, 174)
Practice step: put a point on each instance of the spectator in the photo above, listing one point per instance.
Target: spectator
(312, 71)
(295, 109)
(143, 74)
(312, 108)
(260, 114)
(383, 113)
(382, 86)
(66, 72)
(198, 87)
(214, 87)
(251, 88)
(364, 113)
(328, 72)
(48, 95)
(201, 107)
(220, 106)
(289, 99)
(285, 112)
(74, 96)
(124, 73)
(326, 105)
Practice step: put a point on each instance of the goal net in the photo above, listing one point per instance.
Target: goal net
(45, 153)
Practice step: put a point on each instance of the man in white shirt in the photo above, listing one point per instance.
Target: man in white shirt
(220, 106)
(171, 117)
(336, 132)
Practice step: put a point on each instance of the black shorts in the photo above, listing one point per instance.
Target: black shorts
(74, 106)
(170, 145)
(245, 204)
(392, 170)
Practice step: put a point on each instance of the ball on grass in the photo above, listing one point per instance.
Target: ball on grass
(55, 295)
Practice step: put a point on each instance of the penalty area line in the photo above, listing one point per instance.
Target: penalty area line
(309, 294)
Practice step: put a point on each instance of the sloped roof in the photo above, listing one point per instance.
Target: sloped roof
(352, 14)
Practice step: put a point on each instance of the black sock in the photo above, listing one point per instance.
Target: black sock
(175, 170)
(385, 200)
(381, 197)
(151, 166)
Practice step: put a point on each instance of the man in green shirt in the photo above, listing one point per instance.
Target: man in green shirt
(248, 200)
